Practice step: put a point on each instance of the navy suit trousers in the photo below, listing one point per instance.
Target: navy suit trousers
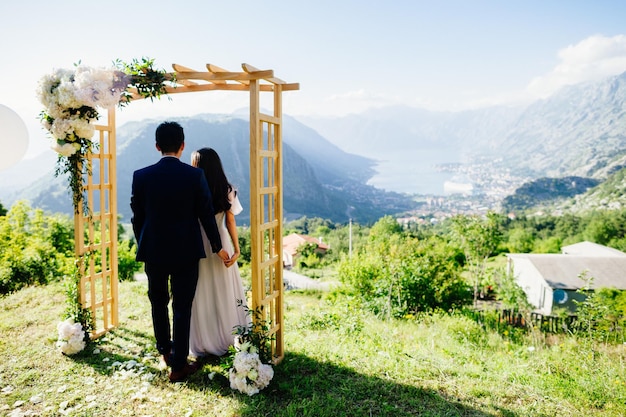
(181, 279)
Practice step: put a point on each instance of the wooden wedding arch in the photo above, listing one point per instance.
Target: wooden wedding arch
(96, 233)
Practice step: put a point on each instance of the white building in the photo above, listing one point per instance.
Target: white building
(551, 280)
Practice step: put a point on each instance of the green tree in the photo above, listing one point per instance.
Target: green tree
(521, 240)
(568, 226)
(509, 293)
(306, 225)
(345, 237)
(601, 228)
(478, 237)
(590, 311)
(548, 245)
(245, 248)
(384, 228)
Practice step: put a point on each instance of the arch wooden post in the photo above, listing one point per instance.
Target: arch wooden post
(266, 216)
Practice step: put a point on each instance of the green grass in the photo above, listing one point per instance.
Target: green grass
(340, 361)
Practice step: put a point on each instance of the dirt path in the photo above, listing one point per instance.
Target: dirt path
(295, 281)
(292, 280)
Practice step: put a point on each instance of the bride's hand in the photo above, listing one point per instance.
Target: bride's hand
(232, 260)
(223, 255)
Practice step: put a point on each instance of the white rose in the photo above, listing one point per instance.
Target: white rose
(65, 149)
(82, 128)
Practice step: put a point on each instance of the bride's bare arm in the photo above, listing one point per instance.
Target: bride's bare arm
(231, 226)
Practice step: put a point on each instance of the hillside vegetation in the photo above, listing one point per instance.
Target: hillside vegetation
(610, 194)
(570, 195)
(396, 336)
(546, 191)
(340, 361)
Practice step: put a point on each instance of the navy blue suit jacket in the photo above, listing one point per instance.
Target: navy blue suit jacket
(167, 200)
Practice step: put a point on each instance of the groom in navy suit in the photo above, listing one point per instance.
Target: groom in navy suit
(167, 200)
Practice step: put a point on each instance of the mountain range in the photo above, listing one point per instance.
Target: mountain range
(329, 162)
(578, 131)
(319, 179)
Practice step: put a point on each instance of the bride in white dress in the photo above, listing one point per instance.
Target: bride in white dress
(219, 304)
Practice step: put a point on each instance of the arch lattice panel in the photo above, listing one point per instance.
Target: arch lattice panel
(96, 232)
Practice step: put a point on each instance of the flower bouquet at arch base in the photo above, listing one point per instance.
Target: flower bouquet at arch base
(248, 362)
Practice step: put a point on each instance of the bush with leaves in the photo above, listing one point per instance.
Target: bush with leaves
(398, 275)
(613, 323)
(245, 246)
(126, 263)
(509, 293)
(36, 248)
(601, 315)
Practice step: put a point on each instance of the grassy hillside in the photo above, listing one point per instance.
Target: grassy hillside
(340, 361)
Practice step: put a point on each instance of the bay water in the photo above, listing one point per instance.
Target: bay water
(415, 171)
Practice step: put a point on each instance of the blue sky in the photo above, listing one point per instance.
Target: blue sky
(348, 56)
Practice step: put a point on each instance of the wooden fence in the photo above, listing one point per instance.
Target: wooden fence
(548, 324)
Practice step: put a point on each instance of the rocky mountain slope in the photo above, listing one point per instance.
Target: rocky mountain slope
(580, 131)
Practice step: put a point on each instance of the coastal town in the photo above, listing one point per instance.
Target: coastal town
(475, 189)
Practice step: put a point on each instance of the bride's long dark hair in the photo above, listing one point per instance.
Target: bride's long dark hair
(209, 161)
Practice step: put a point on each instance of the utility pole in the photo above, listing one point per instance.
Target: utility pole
(350, 240)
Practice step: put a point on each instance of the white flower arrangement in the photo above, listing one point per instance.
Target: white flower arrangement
(248, 374)
(71, 337)
(71, 99)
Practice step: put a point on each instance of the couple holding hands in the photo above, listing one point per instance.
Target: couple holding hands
(184, 224)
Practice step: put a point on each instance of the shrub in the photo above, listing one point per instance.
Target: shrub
(601, 315)
(245, 248)
(126, 263)
(36, 248)
(401, 275)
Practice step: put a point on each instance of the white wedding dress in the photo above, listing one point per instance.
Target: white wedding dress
(216, 308)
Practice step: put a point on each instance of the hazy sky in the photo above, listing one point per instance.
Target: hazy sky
(347, 55)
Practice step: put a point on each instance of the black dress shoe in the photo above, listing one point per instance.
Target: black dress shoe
(182, 374)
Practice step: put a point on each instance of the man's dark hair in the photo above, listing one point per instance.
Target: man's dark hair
(169, 136)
